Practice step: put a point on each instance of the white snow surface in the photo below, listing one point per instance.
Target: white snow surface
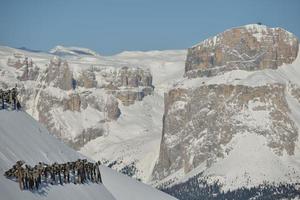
(134, 138)
(22, 138)
(251, 162)
(73, 51)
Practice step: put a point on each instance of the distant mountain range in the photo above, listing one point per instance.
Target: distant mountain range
(223, 114)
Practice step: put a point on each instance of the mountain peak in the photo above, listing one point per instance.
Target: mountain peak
(72, 51)
(250, 47)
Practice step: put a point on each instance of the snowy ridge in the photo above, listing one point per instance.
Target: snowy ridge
(73, 51)
(31, 142)
(135, 136)
(283, 75)
(256, 30)
(106, 70)
(22, 138)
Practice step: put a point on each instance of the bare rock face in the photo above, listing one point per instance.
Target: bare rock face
(108, 104)
(112, 109)
(87, 79)
(76, 108)
(198, 123)
(59, 74)
(128, 97)
(129, 84)
(86, 136)
(128, 77)
(16, 61)
(30, 72)
(251, 47)
(49, 104)
(74, 97)
(295, 91)
(73, 103)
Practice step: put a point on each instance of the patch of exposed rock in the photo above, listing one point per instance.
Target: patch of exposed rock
(131, 77)
(73, 103)
(251, 47)
(17, 60)
(30, 71)
(57, 98)
(198, 123)
(58, 74)
(129, 84)
(87, 79)
(48, 104)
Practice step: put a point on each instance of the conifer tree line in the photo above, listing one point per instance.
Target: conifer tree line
(33, 178)
(197, 188)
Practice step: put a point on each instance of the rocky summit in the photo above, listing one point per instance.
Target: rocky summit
(63, 91)
(220, 116)
(241, 83)
(200, 122)
(251, 47)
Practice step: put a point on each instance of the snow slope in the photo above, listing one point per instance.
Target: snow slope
(22, 138)
(135, 136)
(126, 188)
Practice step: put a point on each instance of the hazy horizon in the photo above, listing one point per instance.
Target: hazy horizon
(110, 27)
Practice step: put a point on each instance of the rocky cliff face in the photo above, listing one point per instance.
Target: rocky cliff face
(128, 84)
(199, 123)
(75, 102)
(215, 102)
(87, 79)
(58, 74)
(251, 47)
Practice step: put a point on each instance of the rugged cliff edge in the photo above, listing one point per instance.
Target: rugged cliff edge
(74, 95)
(239, 84)
(250, 47)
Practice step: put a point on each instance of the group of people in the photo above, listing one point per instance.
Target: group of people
(10, 97)
(33, 178)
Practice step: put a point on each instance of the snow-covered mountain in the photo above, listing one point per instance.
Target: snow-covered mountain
(223, 114)
(72, 51)
(22, 138)
(234, 118)
(85, 98)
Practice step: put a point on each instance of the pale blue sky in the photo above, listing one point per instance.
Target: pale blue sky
(112, 26)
